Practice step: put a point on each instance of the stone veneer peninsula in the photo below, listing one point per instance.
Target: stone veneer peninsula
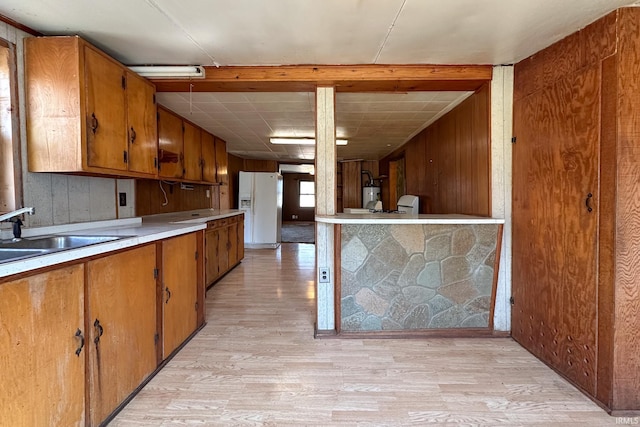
(402, 274)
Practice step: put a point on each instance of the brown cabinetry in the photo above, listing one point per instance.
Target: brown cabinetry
(209, 157)
(222, 176)
(122, 320)
(86, 113)
(142, 125)
(192, 152)
(107, 307)
(170, 144)
(179, 286)
(240, 222)
(233, 238)
(43, 359)
(224, 246)
(188, 152)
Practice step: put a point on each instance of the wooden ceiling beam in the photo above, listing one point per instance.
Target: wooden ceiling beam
(346, 78)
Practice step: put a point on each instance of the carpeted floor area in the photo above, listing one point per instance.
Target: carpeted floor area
(298, 232)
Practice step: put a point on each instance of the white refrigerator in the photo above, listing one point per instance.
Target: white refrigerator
(260, 198)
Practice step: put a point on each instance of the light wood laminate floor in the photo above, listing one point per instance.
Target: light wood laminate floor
(256, 363)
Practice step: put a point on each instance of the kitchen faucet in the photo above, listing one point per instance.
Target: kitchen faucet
(17, 223)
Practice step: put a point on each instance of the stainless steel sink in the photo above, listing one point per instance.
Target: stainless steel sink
(14, 250)
(16, 254)
(58, 242)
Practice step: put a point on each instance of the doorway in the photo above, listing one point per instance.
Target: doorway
(298, 203)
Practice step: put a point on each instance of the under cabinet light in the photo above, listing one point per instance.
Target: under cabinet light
(302, 141)
(169, 71)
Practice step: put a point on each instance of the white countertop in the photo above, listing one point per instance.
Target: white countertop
(137, 231)
(192, 217)
(394, 218)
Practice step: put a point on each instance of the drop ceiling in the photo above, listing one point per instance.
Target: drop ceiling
(374, 123)
(283, 32)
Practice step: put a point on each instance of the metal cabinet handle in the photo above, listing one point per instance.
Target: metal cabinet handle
(81, 337)
(168, 295)
(99, 331)
(588, 202)
(132, 135)
(94, 123)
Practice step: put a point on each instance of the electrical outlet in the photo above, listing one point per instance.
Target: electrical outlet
(324, 275)
(123, 199)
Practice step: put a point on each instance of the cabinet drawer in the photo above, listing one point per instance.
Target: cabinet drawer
(217, 223)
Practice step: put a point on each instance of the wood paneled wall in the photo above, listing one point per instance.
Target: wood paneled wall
(150, 199)
(235, 165)
(350, 180)
(575, 280)
(447, 165)
(626, 312)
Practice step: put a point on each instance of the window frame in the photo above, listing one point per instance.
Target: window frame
(10, 147)
(300, 193)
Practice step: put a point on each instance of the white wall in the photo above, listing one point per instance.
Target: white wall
(501, 133)
(325, 204)
(58, 199)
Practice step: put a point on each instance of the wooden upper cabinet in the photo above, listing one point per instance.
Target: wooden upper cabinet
(170, 144)
(106, 119)
(221, 162)
(187, 152)
(142, 128)
(192, 152)
(208, 157)
(80, 110)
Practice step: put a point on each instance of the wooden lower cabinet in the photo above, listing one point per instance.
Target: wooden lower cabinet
(224, 246)
(232, 246)
(211, 273)
(122, 322)
(42, 369)
(240, 237)
(179, 296)
(103, 312)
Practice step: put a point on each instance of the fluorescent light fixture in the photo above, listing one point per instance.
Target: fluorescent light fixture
(169, 71)
(302, 141)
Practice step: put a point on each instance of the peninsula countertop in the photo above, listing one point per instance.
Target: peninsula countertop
(132, 232)
(398, 218)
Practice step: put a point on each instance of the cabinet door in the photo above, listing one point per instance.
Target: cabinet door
(211, 255)
(142, 129)
(180, 281)
(240, 237)
(42, 377)
(233, 243)
(122, 322)
(192, 153)
(208, 157)
(170, 144)
(221, 161)
(105, 111)
(223, 249)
